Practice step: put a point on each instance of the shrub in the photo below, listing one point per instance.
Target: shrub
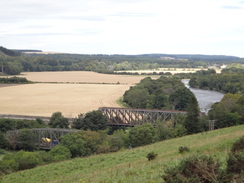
(60, 152)
(2, 151)
(26, 140)
(8, 166)
(151, 156)
(45, 156)
(194, 169)
(179, 130)
(142, 135)
(183, 149)
(238, 145)
(27, 160)
(163, 132)
(3, 141)
(235, 162)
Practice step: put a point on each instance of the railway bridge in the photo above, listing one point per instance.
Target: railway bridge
(44, 138)
(133, 117)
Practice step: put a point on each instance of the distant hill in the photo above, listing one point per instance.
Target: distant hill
(9, 52)
(193, 57)
(29, 51)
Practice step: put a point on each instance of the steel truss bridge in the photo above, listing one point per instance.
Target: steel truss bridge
(44, 138)
(132, 117)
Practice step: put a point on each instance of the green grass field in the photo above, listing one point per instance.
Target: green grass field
(131, 165)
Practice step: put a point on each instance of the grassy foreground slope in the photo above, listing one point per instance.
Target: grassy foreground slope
(132, 165)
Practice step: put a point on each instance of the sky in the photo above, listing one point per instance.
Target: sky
(213, 27)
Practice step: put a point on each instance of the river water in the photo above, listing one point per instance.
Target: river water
(205, 98)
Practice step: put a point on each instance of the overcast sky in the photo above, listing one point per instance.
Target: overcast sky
(124, 26)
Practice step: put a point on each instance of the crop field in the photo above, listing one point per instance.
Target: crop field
(81, 77)
(71, 93)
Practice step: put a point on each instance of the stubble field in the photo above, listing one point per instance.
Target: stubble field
(68, 95)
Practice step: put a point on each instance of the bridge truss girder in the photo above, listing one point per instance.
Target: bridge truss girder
(132, 117)
(39, 133)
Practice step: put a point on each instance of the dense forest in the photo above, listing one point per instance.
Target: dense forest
(163, 93)
(13, 62)
(231, 80)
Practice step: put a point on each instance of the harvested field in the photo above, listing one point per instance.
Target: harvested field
(43, 99)
(70, 99)
(80, 77)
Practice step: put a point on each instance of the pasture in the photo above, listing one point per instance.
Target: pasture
(131, 165)
(71, 93)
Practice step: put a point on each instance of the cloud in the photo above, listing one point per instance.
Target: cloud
(232, 7)
(131, 14)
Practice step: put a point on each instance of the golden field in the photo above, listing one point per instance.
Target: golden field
(43, 99)
(80, 77)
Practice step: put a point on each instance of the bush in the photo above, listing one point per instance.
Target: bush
(74, 142)
(235, 162)
(45, 156)
(179, 130)
(8, 166)
(26, 140)
(151, 156)
(2, 151)
(183, 149)
(142, 135)
(163, 132)
(3, 141)
(27, 160)
(117, 141)
(194, 169)
(238, 145)
(60, 152)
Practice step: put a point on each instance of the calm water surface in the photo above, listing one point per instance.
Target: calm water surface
(205, 98)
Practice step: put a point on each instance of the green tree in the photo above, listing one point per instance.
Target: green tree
(180, 98)
(77, 123)
(191, 123)
(58, 121)
(94, 121)
(12, 68)
(163, 132)
(60, 152)
(26, 140)
(74, 142)
(142, 135)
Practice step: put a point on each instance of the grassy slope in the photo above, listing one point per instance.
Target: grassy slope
(131, 165)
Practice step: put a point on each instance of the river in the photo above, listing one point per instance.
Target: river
(205, 98)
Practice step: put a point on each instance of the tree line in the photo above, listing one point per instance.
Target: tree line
(13, 63)
(229, 81)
